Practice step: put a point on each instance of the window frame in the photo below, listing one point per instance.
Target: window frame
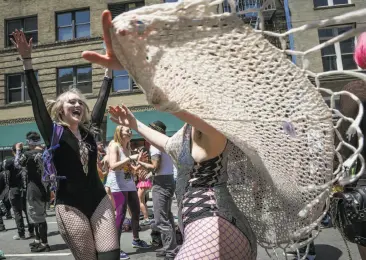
(8, 43)
(131, 83)
(74, 77)
(126, 3)
(73, 23)
(23, 87)
(337, 47)
(331, 3)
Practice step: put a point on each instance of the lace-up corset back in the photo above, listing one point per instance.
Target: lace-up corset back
(210, 172)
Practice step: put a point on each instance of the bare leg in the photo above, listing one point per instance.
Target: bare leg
(143, 207)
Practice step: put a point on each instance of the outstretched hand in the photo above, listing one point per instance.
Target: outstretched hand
(108, 60)
(121, 115)
(20, 42)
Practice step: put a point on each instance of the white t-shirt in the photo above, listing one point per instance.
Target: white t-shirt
(120, 180)
(166, 163)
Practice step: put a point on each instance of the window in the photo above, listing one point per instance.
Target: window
(73, 25)
(170, 1)
(340, 55)
(79, 77)
(28, 25)
(320, 3)
(117, 9)
(16, 87)
(122, 81)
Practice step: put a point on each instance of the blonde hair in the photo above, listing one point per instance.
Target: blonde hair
(117, 137)
(55, 108)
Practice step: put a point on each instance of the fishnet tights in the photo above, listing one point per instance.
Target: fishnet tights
(214, 238)
(87, 237)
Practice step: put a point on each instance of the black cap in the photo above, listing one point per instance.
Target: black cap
(158, 126)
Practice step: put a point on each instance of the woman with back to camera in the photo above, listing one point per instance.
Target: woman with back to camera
(84, 213)
(213, 225)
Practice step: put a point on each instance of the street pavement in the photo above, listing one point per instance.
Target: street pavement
(329, 245)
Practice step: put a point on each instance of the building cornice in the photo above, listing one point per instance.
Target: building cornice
(54, 44)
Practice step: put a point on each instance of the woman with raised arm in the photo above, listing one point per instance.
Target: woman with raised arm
(85, 215)
(122, 186)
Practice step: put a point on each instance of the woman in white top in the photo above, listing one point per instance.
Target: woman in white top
(121, 184)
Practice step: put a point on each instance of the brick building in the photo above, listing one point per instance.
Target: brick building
(333, 58)
(61, 30)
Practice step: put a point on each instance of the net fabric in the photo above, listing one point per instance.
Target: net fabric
(184, 56)
(202, 241)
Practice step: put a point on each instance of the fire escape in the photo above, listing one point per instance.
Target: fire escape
(273, 15)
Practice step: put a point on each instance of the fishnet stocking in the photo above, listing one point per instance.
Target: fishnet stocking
(85, 238)
(214, 238)
(104, 227)
(76, 231)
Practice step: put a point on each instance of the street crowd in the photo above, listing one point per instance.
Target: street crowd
(91, 184)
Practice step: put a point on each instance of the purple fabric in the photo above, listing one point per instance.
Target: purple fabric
(119, 201)
(50, 173)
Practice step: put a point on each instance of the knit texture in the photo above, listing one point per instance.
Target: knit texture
(185, 56)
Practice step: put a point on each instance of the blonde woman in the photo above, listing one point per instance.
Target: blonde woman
(85, 215)
(122, 185)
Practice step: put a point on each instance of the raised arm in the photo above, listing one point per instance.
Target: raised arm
(20, 158)
(123, 116)
(43, 119)
(101, 104)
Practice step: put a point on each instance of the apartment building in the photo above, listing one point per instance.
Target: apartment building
(338, 57)
(61, 30)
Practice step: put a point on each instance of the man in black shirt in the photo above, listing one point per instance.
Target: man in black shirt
(16, 196)
(36, 196)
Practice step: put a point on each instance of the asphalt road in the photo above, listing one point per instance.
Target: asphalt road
(329, 245)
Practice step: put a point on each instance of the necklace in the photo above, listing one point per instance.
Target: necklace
(76, 134)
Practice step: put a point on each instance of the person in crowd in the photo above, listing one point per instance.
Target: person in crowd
(36, 194)
(144, 184)
(101, 162)
(84, 213)
(17, 188)
(202, 176)
(349, 109)
(5, 205)
(162, 193)
(122, 186)
(3, 188)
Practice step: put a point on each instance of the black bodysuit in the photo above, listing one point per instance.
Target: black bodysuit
(79, 190)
